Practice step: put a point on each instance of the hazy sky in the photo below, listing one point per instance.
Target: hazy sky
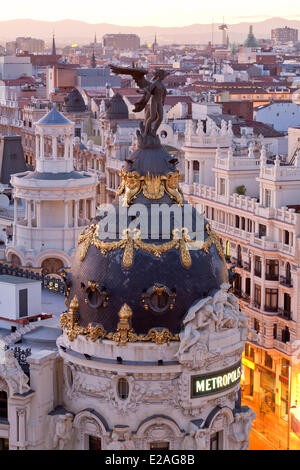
(150, 12)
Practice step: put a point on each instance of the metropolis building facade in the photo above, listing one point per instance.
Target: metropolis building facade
(148, 352)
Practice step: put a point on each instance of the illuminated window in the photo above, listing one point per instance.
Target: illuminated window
(159, 445)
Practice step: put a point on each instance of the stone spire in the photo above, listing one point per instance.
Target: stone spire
(93, 60)
(53, 45)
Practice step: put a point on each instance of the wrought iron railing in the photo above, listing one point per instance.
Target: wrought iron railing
(51, 283)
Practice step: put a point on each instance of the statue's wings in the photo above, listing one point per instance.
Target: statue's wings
(138, 75)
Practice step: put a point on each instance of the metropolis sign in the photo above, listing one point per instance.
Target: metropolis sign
(215, 382)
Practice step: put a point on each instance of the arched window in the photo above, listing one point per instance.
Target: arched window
(123, 388)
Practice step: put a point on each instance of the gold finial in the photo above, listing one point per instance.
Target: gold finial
(125, 313)
(73, 311)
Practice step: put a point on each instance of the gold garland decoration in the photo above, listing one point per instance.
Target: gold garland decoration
(124, 334)
(184, 243)
(153, 187)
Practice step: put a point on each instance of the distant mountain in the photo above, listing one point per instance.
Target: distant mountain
(71, 31)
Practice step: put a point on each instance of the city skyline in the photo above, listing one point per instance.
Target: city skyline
(167, 14)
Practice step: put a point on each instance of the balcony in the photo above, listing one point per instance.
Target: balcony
(272, 277)
(284, 281)
(286, 314)
(238, 293)
(281, 346)
(271, 308)
(246, 296)
(247, 266)
(257, 273)
(256, 304)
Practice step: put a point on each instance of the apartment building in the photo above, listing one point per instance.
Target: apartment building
(252, 203)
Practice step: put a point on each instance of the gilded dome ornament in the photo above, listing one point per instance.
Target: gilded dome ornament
(124, 334)
(161, 251)
(152, 187)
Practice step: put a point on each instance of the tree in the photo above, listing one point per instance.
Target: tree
(241, 190)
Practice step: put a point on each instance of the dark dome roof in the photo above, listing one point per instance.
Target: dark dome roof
(116, 108)
(74, 103)
(137, 281)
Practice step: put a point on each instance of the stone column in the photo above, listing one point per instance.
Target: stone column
(37, 146)
(66, 147)
(71, 147)
(29, 219)
(66, 214)
(252, 287)
(16, 209)
(191, 172)
(76, 213)
(93, 208)
(263, 282)
(54, 147)
(21, 418)
(84, 209)
(42, 147)
(38, 213)
(186, 171)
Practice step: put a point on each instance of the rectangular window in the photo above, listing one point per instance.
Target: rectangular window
(262, 230)
(257, 295)
(271, 300)
(94, 443)
(249, 351)
(222, 186)
(285, 363)
(272, 270)
(214, 441)
(267, 198)
(268, 360)
(3, 405)
(286, 237)
(257, 267)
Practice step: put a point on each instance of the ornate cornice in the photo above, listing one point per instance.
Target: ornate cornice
(152, 187)
(124, 334)
(180, 240)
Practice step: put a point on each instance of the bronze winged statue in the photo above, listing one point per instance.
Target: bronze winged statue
(154, 92)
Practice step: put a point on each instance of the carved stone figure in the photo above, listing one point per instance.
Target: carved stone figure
(128, 444)
(114, 443)
(63, 431)
(12, 372)
(189, 442)
(200, 439)
(154, 93)
(240, 429)
(211, 314)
